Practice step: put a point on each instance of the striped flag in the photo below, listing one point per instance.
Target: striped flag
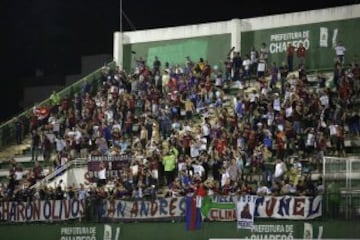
(192, 214)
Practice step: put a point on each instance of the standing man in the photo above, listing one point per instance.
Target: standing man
(264, 52)
(301, 53)
(18, 130)
(290, 56)
(35, 145)
(340, 52)
(156, 66)
(101, 175)
(169, 162)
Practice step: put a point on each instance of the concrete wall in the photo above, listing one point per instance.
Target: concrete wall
(299, 18)
(235, 27)
(333, 229)
(34, 95)
(70, 177)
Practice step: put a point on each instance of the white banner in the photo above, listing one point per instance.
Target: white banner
(284, 207)
(47, 210)
(245, 207)
(144, 209)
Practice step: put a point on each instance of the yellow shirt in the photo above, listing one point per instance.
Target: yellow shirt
(189, 106)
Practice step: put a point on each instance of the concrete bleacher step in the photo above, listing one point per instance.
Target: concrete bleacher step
(27, 158)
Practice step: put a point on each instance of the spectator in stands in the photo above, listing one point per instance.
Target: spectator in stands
(169, 162)
(228, 68)
(54, 101)
(290, 52)
(262, 125)
(156, 66)
(37, 171)
(19, 129)
(35, 145)
(340, 52)
(254, 58)
(301, 54)
(237, 65)
(280, 170)
(264, 53)
(101, 174)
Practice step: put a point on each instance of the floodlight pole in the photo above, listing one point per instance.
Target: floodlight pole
(121, 13)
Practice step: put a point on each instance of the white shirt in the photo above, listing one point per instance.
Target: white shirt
(102, 173)
(340, 50)
(205, 129)
(165, 79)
(198, 169)
(276, 104)
(289, 111)
(324, 99)
(19, 175)
(83, 194)
(109, 115)
(332, 129)
(279, 169)
(224, 177)
(310, 140)
(263, 189)
(253, 96)
(60, 144)
(218, 81)
(246, 64)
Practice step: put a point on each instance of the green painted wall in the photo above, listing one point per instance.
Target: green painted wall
(212, 48)
(320, 53)
(174, 231)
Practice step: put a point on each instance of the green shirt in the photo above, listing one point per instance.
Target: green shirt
(169, 162)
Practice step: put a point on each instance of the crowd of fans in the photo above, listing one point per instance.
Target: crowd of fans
(183, 129)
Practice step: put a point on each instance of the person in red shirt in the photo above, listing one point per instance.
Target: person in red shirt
(220, 145)
(200, 189)
(187, 138)
(301, 54)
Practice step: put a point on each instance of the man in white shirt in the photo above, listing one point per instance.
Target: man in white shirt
(340, 52)
(276, 103)
(324, 100)
(225, 178)
(198, 169)
(101, 174)
(280, 169)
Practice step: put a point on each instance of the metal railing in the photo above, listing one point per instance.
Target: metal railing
(74, 163)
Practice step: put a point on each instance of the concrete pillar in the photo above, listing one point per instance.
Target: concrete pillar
(118, 49)
(236, 34)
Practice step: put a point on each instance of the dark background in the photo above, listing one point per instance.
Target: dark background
(52, 35)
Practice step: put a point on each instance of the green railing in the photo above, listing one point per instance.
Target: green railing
(7, 129)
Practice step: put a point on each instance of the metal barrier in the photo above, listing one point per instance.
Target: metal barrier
(79, 162)
(344, 205)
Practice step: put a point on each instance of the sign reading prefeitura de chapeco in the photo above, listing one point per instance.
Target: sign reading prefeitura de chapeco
(97, 232)
(272, 231)
(319, 40)
(279, 42)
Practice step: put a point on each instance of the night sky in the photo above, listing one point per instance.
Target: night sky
(52, 35)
